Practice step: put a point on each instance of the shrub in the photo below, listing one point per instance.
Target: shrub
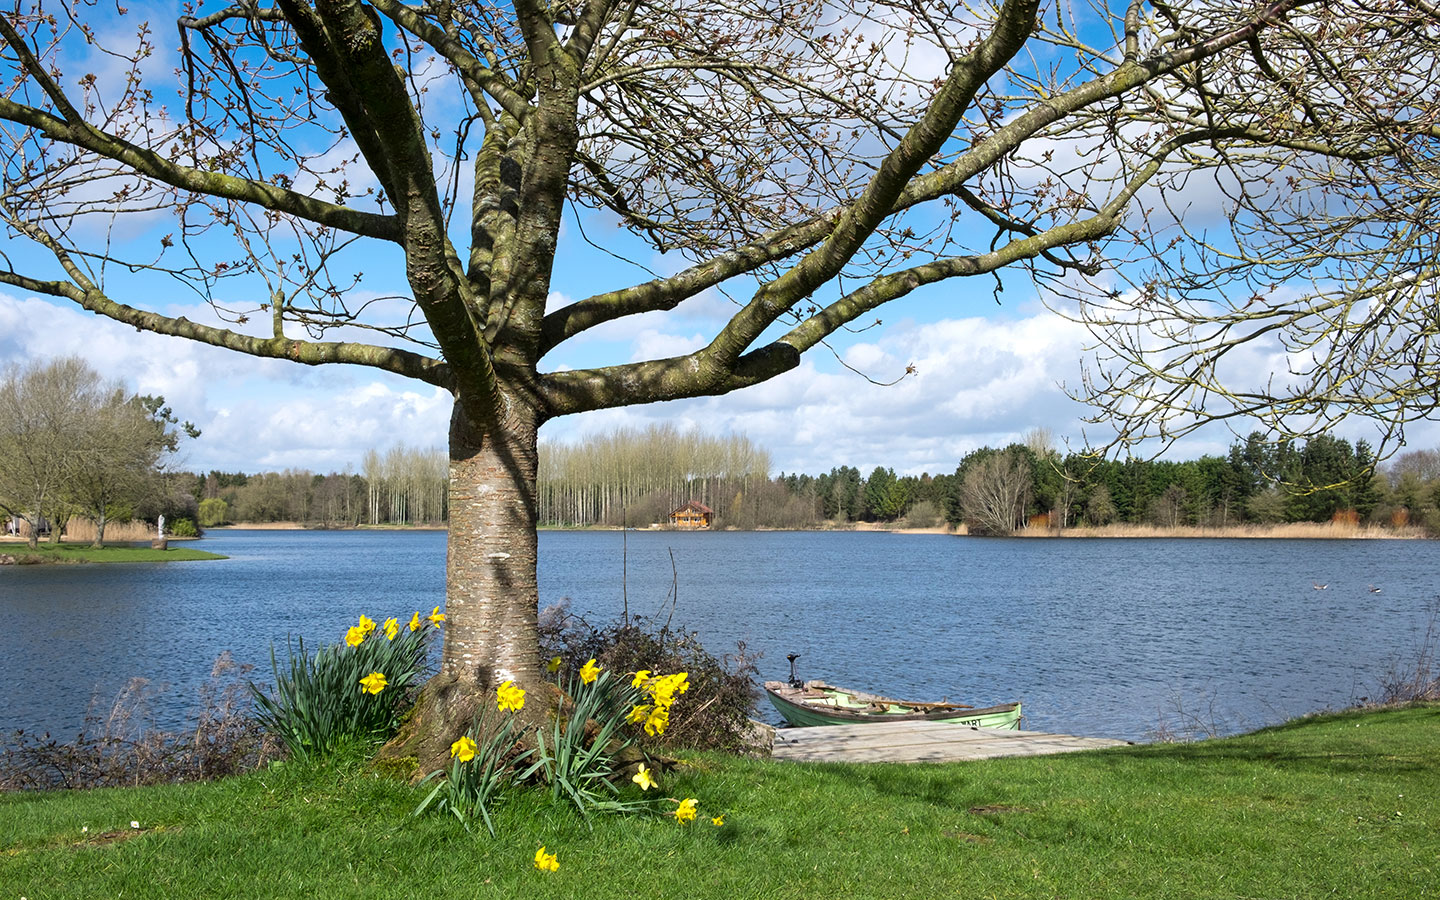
(1346, 517)
(924, 514)
(356, 690)
(716, 712)
(184, 528)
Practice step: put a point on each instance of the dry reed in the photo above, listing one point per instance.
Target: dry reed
(1291, 530)
(121, 748)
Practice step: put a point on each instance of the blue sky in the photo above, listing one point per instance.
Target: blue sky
(986, 373)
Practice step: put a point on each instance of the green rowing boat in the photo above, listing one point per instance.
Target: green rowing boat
(818, 703)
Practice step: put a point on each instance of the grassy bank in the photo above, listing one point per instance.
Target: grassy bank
(83, 553)
(1344, 805)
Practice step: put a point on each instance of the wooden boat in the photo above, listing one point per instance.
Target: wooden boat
(818, 703)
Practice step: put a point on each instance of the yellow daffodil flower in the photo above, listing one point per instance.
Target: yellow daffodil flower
(367, 624)
(589, 672)
(718, 820)
(463, 749)
(355, 636)
(640, 678)
(392, 628)
(553, 665)
(510, 697)
(546, 862)
(374, 683)
(657, 720)
(644, 778)
(638, 714)
(685, 812)
(436, 617)
(415, 621)
(665, 688)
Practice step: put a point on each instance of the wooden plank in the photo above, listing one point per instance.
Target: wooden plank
(922, 742)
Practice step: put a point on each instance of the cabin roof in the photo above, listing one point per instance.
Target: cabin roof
(695, 505)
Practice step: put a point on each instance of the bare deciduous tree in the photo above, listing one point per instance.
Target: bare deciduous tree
(995, 491)
(813, 161)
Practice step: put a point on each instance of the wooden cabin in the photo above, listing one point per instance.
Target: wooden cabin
(692, 515)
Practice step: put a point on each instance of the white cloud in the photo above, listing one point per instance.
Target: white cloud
(980, 382)
(253, 413)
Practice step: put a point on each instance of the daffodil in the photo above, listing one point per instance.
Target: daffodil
(463, 749)
(718, 820)
(644, 778)
(366, 623)
(685, 812)
(638, 714)
(658, 719)
(392, 628)
(436, 617)
(665, 688)
(415, 621)
(374, 683)
(546, 862)
(553, 665)
(509, 696)
(640, 678)
(355, 636)
(589, 672)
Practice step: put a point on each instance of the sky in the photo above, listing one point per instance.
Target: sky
(984, 374)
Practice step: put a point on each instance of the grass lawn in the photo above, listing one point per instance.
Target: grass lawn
(82, 553)
(1344, 805)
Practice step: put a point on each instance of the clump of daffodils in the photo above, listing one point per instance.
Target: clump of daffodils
(358, 689)
(662, 691)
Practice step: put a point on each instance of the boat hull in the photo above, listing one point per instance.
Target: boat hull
(836, 706)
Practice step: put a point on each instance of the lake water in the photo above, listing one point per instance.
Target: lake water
(1097, 637)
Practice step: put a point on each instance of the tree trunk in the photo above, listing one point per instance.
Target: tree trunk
(491, 589)
(492, 594)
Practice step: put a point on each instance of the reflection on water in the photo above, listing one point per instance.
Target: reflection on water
(1095, 636)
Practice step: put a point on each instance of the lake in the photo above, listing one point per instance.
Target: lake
(1097, 637)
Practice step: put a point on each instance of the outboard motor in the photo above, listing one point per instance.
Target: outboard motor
(794, 682)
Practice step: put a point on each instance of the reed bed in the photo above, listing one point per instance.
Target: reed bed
(1290, 530)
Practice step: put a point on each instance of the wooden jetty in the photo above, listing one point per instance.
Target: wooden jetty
(921, 742)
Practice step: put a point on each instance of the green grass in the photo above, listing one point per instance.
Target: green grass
(1344, 805)
(83, 553)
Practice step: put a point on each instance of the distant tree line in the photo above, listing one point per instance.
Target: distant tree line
(1258, 481)
(636, 477)
(73, 444)
(639, 476)
(403, 486)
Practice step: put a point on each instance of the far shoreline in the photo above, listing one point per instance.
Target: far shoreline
(1281, 531)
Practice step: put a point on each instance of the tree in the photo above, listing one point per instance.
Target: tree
(1099, 510)
(995, 488)
(117, 447)
(784, 151)
(885, 495)
(42, 412)
(72, 443)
